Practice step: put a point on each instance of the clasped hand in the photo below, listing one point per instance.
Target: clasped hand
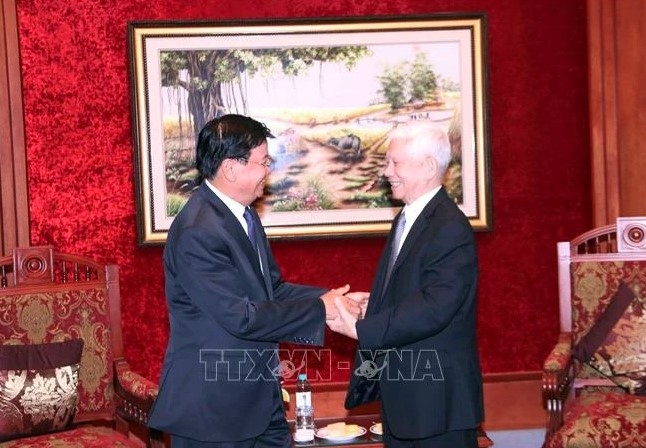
(351, 303)
(345, 309)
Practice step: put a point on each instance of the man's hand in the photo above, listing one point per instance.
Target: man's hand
(331, 311)
(345, 322)
(361, 298)
(328, 300)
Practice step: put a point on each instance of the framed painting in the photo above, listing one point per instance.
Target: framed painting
(331, 91)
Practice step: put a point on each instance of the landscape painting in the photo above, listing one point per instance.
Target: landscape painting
(331, 92)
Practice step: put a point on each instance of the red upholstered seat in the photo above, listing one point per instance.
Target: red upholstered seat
(603, 418)
(47, 298)
(80, 437)
(591, 392)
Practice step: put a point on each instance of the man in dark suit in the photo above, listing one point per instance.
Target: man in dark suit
(417, 343)
(228, 305)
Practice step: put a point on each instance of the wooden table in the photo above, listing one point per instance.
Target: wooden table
(368, 440)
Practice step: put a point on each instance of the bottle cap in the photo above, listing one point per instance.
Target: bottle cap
(302, 376)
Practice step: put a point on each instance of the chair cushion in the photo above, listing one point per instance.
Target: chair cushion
(602, 419)
(71, 311)
(82, 437)
(38, 387)
(616, 345)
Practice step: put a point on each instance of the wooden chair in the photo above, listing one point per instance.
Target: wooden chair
(51, 301)
(586, 407)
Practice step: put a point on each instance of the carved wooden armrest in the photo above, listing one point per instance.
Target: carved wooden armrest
(557, 379)
(134, 384)
(136, 396)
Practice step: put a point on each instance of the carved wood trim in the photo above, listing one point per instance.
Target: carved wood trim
(14, 205)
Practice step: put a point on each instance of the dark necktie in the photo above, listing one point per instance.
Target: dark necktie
(394, 249)
(251, 228)
(261, 255)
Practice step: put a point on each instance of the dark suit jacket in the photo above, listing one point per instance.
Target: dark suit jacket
(226, 319)
(420, 329)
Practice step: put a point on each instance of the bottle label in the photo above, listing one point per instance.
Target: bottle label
(303, 399)
(304, 435)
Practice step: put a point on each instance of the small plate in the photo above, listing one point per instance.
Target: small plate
(321, 435)
(377, 430)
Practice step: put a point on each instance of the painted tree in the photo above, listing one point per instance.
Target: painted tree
(423, 82)
(215, 80)
(409, 82)
(393, 85)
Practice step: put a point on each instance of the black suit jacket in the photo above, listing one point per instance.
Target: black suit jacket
(218, 379)
(417, 343)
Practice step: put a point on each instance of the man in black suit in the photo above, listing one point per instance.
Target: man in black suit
(417, 343)
(228, 305)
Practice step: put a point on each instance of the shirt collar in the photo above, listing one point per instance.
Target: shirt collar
(236, 208)
(414, 209)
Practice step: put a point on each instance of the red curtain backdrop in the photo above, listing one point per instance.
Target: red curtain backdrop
(81, 170)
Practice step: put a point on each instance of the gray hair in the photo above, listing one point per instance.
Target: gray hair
(425, 139)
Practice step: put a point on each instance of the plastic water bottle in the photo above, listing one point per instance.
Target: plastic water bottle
(304, 411)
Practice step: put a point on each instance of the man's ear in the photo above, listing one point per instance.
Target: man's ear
(228, 170)
(431, 167)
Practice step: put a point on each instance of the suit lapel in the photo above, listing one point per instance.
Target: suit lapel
(232, 226)
(418, 228)
(420, 225)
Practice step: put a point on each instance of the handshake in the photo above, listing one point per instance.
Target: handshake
(344, 308)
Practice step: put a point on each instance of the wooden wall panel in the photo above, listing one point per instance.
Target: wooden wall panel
(14, 209)
(603, 126)
(631, 94)
(617, 69)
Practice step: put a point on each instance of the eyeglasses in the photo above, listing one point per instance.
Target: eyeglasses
(266, 164)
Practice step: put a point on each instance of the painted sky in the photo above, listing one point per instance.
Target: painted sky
(333, 85)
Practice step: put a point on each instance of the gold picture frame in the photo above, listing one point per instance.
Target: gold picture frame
(330, 90)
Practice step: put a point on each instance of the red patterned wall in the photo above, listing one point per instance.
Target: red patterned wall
(81, 172)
